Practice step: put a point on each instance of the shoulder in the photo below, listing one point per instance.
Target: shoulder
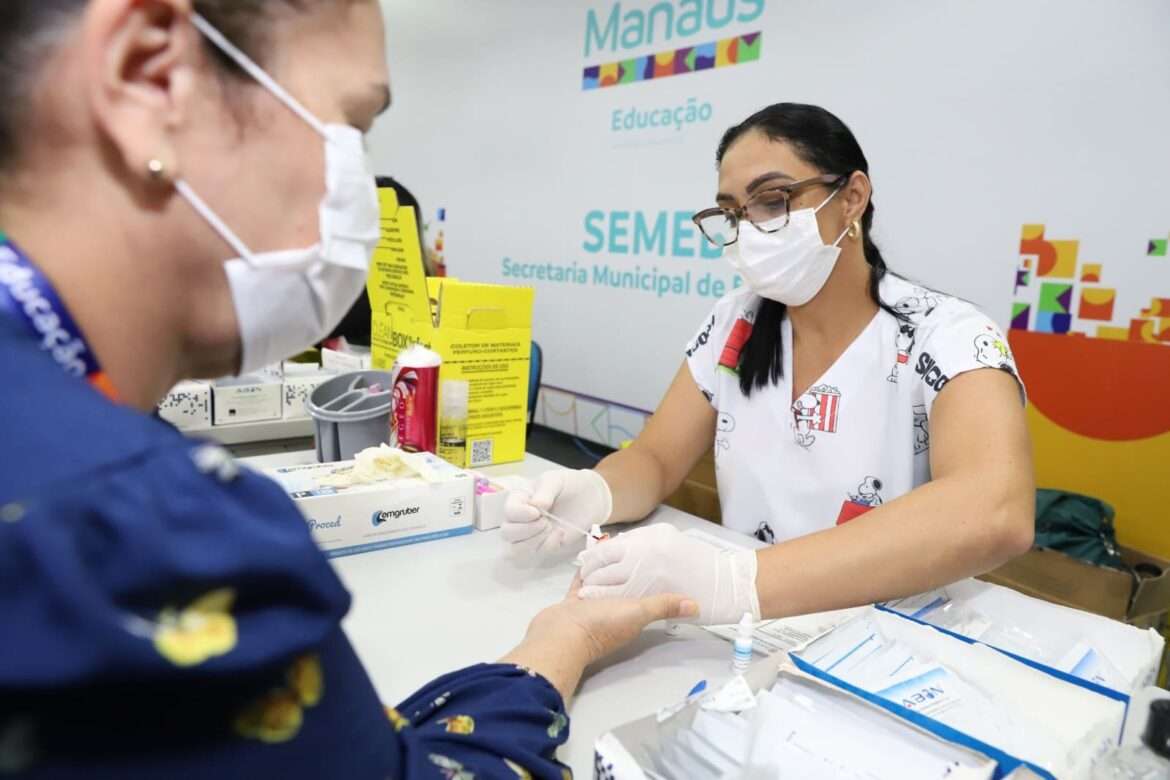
(948, 336)
(58, 428)
(913, 302)
(90, 563)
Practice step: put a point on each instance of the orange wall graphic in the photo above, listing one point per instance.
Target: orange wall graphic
(1098, 383)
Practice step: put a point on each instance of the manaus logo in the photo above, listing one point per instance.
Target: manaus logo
(635, 28)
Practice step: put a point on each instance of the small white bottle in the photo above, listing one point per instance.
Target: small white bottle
(742, 652)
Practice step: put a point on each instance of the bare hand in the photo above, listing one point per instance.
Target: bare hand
(603, 626)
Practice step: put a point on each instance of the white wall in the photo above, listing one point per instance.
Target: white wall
(977, 118)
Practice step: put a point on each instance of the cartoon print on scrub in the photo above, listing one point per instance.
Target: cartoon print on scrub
(915, 308)
(732, 352)
(868, 493)
(765, 534)
(921, 429)
(992, 351)
(724, 424)
(815, 411)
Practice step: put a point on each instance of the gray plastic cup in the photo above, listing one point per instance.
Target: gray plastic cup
(351, 412)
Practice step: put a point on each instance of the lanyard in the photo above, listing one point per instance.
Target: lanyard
(28, 296)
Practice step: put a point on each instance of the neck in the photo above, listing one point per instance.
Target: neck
(843, 307)
(115, 288)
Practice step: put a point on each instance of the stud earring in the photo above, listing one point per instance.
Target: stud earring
(156, 169)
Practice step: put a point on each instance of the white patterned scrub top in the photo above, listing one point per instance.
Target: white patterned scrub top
(860, 436)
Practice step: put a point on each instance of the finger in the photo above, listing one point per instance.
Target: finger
(575, 588)
(602, 555)
(601, 592)
(548, 490)
(522, 532)
(527, 549)
(669, 606)
(614, 574)
(518, 507)
(554, 540)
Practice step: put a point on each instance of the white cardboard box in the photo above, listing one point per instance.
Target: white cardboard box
(187, 406)
(245, 399)
(387, 514)
(490, 499)
(297, 388)
(356, 359)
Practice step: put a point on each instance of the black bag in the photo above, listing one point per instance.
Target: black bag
(1076, 525)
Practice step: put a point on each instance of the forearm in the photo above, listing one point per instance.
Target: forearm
(560, 661)
(942, 532)
(637, 481)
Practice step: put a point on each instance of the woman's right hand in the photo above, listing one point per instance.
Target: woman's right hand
(580, 498)
(567, 637)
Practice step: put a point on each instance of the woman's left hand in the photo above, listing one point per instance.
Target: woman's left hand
(567, 637)
(661, 559)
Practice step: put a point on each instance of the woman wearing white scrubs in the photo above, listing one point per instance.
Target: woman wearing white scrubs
(869, 428)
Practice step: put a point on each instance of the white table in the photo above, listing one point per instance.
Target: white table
(423, 610)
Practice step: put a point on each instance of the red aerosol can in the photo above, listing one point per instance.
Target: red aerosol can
(414, 417)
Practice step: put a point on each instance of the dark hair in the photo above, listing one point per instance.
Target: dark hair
(825, 142)
(28, 29)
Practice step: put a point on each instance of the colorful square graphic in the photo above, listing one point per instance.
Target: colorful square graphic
(688, 59)
(629, 71)
(1048, 280)
(1021, 314)
(591, 78)
(1143, 330)
(1112, 333)
(1055, 298)
(1054, 259)
(749, 47)
(726, 52)
(1159, 307)
(609, 74)
(1097, 304)
(1053, 322)
(663, 65)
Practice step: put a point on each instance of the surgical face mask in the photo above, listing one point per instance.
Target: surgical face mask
(791, 265)
(287, 301)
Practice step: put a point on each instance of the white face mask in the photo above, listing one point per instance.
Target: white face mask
(791, 265)
(289, 300)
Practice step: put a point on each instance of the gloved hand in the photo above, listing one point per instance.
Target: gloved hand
(661, 559)
(581, 498)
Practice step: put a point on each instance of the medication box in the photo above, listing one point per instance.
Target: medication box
(483, 333)
(634, 751)
(298, 385)
(187, 406)
(245, 399)
(353, 359)
(361, 518)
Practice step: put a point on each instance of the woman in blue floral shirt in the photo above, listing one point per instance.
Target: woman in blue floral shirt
(163, 613)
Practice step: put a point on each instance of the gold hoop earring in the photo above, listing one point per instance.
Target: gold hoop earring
(854, 231)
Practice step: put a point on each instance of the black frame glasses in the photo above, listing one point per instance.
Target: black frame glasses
(765, 206)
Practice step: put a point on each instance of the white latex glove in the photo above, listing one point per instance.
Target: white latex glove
(661, 559)
(582, 498)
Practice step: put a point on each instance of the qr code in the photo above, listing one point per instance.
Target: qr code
(481, 453)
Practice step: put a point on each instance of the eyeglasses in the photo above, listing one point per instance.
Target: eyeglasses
(768, 207)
